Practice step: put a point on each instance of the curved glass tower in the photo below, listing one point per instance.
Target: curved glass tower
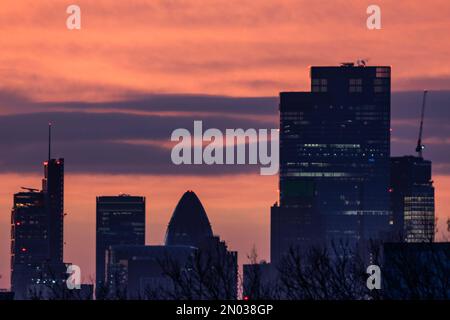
(189, 224)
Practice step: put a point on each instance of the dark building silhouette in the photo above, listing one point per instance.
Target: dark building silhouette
(53, 188)
(412, 199)
(120, 220)
(6, 295)
(189, 224)
(137, 271)
(147, 272)
(29, 239)
(259, 281)
(37, 236)
(49, 283)
(334, 159)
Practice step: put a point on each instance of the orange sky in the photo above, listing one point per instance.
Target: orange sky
(233, 47)
(227, 47)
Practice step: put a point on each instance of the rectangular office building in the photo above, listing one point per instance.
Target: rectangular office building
(412, 199)
(334, 159)
(120, 221)
(29, 240)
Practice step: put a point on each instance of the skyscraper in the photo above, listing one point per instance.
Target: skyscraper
(37, 228)
(412, 199)
(29, 239)
(120, 221)
(189, 224)
(53, 188)
(334, 159)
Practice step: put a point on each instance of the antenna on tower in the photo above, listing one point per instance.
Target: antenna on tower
(49, 140)
(420, 146)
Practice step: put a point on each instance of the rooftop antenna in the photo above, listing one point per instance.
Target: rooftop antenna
(49, 140)
(420, 146)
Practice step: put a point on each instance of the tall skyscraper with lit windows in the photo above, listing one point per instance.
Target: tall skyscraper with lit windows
(29, 239)
(412, 199)
(37, 229)
(334, 159)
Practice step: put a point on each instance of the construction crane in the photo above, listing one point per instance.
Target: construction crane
(420, 146)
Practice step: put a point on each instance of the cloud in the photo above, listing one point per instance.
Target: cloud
(406, 109)
(221, 47)
(132, 135)
(111, 141)
(180, 102)
(14, 102)
(407, 105)
(441, 82)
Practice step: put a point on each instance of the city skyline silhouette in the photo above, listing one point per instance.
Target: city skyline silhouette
(116, 89)
(189, 209)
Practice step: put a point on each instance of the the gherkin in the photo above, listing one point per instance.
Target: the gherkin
(189, 224)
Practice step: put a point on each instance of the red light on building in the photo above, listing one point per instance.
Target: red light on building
(18, 223)
(23, 249)
(246, 298)
(391, 190)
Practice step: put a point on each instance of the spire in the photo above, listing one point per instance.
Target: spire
(49, 141)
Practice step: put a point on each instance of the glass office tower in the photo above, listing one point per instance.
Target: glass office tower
(29, 239)
(334, 160)
(412, 199)
(53, 188)
(120, 221)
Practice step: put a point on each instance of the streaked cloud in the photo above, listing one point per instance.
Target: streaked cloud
(133, 136)
(220, 47)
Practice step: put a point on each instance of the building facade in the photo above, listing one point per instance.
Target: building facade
(193, 263)
(139, 271)
(334, 159)
(37, 230)
(29, 239)
(53, 188)
(120, 221)
(412, 199)
(189, 224)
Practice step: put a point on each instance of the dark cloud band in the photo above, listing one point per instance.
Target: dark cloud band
(114, 142)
